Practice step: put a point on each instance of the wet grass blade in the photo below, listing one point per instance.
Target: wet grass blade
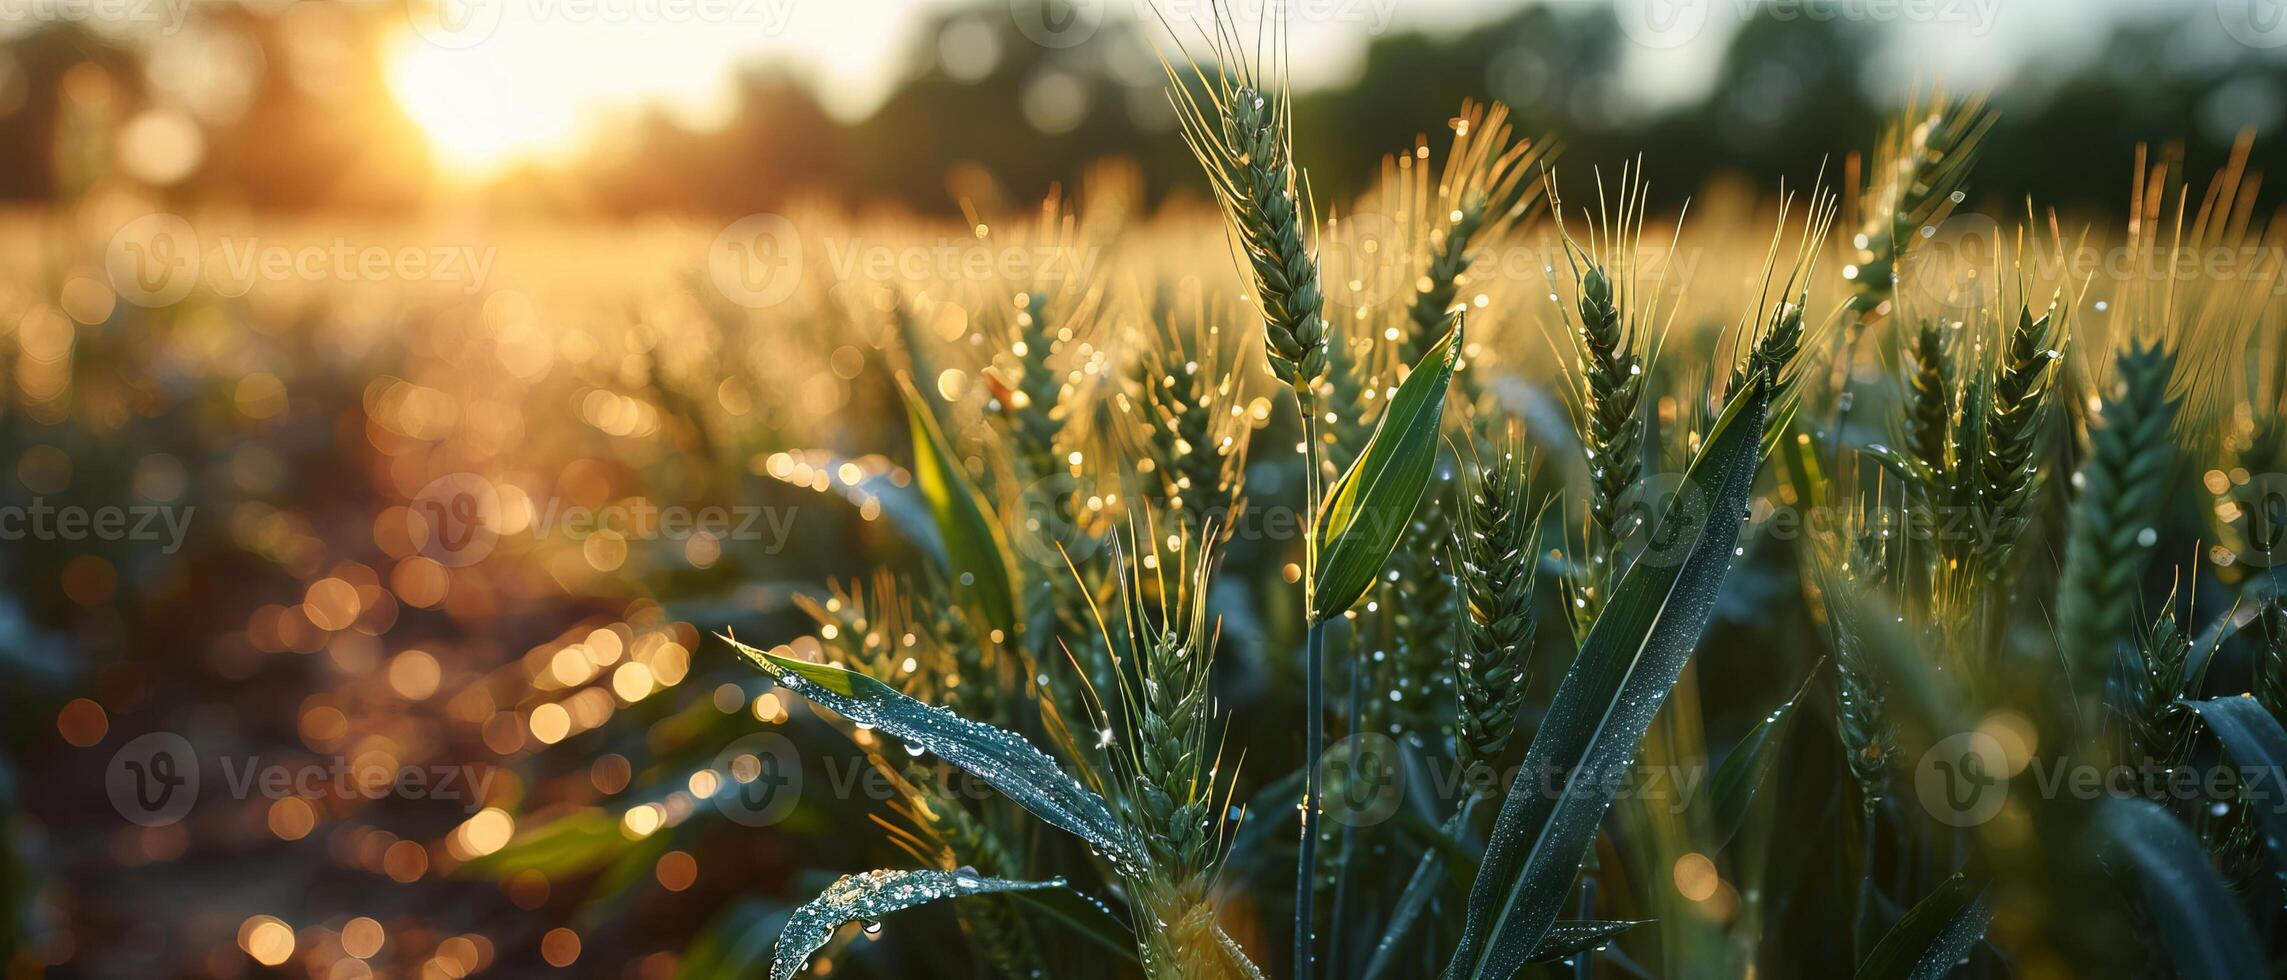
(1367, 509)
(2199, 920)
(1936, 934)
(1421, 887)
(1750, 763)
(1626, 665)
(976, 551)
(1004, 760)
(2256, 742)
(1575, 936)
(869, 896)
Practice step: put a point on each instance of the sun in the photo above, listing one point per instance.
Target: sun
(480, 110)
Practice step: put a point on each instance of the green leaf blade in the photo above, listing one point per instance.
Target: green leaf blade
(2255, 741)
(2199, 920)
(871, 895)
(1630, 659)
(1367, 509)
(1004, 760)
(976, 551)
(1938, 932)
(1743, 771)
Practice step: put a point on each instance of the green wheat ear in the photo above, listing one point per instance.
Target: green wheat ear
(1242, 139)
(1924, 160)
(1496, 544)
(2155, 725)
(1930, 401)
(2016, 419)
(2121, 486)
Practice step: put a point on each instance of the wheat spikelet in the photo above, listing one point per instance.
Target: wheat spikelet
(2016, 418)
(1498, 561)
(1198, 430)
(1483, 191)
(1923, 162)
(1929, 408)
(1241, 137)
(2121, 484)
(1612, 355)
(2155, 727)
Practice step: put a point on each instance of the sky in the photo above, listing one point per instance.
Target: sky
(496, 82)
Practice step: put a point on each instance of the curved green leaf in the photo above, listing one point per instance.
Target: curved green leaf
(1004, 760)
(871, 895)
(2200, 922)
(1626, 665)
(1368, 508)
(1575, 936)
(2259, 746)
(1743, 771)
(976, 550)
(1935, 935)
(1428, 875)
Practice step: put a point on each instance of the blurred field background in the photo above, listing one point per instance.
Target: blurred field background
(503, 256)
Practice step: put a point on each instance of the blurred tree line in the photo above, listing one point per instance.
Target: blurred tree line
(984, 112)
